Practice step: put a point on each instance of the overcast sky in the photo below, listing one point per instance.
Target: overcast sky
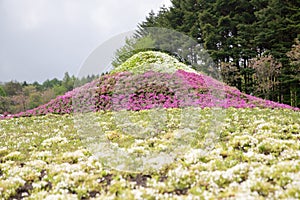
(43, 39)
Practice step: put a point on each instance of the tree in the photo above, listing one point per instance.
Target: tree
(51, 83)
(132, 46)
(230, 74)
(278, 24)
(35, 100)
(12, 88)
(19, 103)
(47, 95)
(2, 92)
(226, 35)
(294, 57)
(68, 82)
(59, 90)
(5, 103)
(38, 86)
(28, 90)
(267, 71)
(233, 32)
(32, 97)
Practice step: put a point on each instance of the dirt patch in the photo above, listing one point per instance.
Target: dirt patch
(139, 179)
(23, 191)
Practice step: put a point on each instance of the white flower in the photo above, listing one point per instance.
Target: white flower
(42, 154)
(36, 163)
(54, 140)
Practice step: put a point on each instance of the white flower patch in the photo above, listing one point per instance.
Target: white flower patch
(157, 160)
(61, 197)
(26, 172)
(289, 154)
(17, 180)
(156, 184)
(10, 184)
(137, 194)
(39, 185)
(263, 126)
(295, 184)
(64, 168)
(42, 155)
(215, 154)
(92, 163)
(257, 122)
(76, 155)
(266, 166)
(244, 141)
(36, 164)
(260, 157)
(178, 172)
(55, 140)
(77, 176)
(194, 154)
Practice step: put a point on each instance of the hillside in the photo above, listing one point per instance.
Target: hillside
(148, 80)
(157, 131)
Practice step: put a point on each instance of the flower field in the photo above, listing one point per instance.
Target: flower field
(255, 156)
(152, 129)
(150, 80)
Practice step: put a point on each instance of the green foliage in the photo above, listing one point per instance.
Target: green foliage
(132, 46)
(68, 81)
(51, 83)
(294, 76)
(17, 97)
(151, 61)
(12, 88)
(35, 100)
(2, 91)
(5, 103)
(28, 90)
(59, 90)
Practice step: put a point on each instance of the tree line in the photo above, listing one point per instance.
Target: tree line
(253, 43)
(16, 96)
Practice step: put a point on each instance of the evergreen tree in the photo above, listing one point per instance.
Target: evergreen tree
(278, 26)
(225, 26)
(2, 92)
(294, 76)
(132, 46)
(233, 32)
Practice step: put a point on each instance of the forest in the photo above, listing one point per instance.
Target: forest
(16, 96)
(254, 44)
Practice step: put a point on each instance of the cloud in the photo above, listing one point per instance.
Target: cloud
(42, 39)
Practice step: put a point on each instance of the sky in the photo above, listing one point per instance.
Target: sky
(43, 39)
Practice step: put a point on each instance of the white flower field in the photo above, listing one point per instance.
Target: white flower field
(256, 155)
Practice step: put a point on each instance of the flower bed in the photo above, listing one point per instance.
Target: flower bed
(255, 157)
(127, 91)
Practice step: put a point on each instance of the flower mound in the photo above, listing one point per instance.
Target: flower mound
(140, 88)
(151, 61)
